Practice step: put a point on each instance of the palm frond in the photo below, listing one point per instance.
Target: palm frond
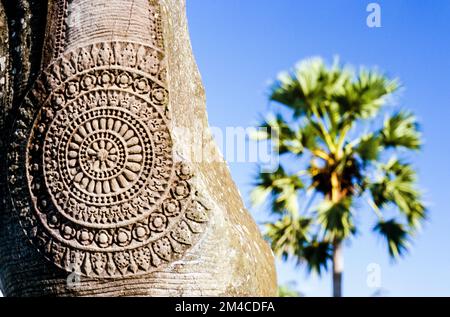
(364, 97)
(401, 130)
(280, 188)
(396, 237)
(368, 148)
(336, 219)
(398, 186)
(308, 137)
(317, 255)
(288, 91)
(287, 236)
(309, 85)
(285, 139)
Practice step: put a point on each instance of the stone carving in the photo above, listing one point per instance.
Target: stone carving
(91, 171)
(91, 167)
(60, 28)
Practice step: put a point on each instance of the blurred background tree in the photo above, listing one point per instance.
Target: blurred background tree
(345, 146)
(289, 290)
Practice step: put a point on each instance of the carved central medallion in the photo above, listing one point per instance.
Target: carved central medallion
(92, 171)
(105, 156)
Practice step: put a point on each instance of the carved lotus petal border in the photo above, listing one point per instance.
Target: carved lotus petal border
(91, 168)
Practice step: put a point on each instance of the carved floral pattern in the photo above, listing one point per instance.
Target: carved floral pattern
(91, 168)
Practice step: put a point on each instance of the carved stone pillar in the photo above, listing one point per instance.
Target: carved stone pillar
(105, 191)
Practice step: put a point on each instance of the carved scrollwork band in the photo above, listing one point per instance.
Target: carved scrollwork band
(91, 168)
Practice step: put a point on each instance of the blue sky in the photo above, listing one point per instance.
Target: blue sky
(240, 45)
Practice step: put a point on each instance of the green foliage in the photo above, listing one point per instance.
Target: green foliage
(317, 255)
(396, 236)
(336, 219)
(288, 291)
(328, 108)
(281, 188)
(288, 235)
(397, 186)
(289, 238)
(363, 97)
(368, 148)
(401, 130)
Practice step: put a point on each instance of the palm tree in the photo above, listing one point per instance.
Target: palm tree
(331, 123)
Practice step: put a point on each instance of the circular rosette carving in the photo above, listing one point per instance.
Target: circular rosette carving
(104, 157)
(91, 168)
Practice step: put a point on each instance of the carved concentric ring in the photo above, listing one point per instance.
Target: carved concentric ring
(104, 155)
(91, 169)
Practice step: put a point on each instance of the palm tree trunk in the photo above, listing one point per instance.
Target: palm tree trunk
(338, 268)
